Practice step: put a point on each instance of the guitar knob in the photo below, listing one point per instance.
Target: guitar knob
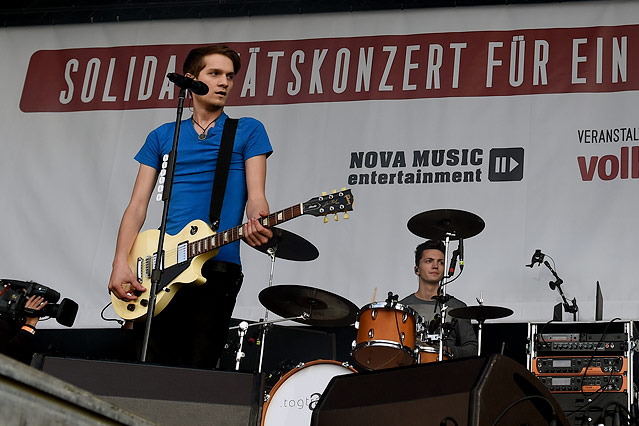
(130, 307)
(325, 219)
(144, 302)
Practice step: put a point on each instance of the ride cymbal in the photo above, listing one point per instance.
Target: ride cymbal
(324, 308)
(480, 312)
(437, 224)
(289, 246)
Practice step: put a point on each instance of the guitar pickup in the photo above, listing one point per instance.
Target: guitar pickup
(139, 269)
(182, 252)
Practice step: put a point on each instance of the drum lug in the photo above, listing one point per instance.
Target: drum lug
(374, 314)
(404, 317)
(357, 325)
(354, 345)
(403, 336)
(371, 333)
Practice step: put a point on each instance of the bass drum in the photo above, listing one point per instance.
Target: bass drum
(292, 399)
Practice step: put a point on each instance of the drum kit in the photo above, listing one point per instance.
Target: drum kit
(389, 333)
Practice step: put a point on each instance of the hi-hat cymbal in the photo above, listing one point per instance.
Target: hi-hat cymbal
(324, 308)
(437, 224)
(289, 246)
(480, 312)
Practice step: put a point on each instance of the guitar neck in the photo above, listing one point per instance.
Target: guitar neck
(220, 239)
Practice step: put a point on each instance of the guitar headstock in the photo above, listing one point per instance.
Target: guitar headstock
(336, 202)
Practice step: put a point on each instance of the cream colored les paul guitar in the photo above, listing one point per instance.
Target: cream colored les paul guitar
(186, 252)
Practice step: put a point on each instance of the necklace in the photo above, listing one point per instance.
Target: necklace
(202, 135)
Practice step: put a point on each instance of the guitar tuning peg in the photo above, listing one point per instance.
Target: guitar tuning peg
(336, 218)
(325, 219)
(324, 194)
(346, 215)
(343, 189)
(334, 191)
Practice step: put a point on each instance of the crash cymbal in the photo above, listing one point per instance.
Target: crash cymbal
(324, 308)
(289, 246)
(480, 312)
(436, 224)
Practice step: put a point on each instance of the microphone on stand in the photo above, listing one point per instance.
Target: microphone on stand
(197, 87)
(537, 258)
(453, 262)
(461, 254)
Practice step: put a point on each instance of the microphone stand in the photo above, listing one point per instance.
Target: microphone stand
(443, 298)
(569, 307)
(156, 275)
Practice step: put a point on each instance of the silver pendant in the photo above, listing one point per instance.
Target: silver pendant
(201, 136)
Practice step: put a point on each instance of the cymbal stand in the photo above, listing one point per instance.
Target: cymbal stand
(265, 324)
(444, 299)
(480, 321)
(243, 327)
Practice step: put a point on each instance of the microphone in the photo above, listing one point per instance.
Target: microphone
(461, 254)
(453, 261)
(537, 257)
(197, 87)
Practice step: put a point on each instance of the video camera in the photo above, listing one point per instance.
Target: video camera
(14, 295)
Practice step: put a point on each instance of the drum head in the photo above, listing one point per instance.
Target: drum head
(293, 398)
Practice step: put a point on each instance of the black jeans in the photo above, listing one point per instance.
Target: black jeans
(192, 329)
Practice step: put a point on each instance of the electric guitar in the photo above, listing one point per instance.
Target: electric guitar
(185, 252)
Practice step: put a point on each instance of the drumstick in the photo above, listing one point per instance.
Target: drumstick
(374, 295)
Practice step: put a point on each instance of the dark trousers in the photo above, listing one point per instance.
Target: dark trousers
(192, 329)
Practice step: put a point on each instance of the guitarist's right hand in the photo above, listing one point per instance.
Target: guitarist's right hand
(123, 282)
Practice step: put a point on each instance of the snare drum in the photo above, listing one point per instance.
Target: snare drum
(292, 399)
(430, 353)
(385, 336)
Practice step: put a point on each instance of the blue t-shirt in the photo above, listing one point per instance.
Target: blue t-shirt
(195, 168)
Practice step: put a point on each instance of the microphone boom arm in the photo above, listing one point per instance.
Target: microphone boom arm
(569, 307)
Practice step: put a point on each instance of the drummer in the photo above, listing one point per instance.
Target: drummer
(430, 262)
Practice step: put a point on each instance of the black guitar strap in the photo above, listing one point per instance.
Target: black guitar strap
(222, 171)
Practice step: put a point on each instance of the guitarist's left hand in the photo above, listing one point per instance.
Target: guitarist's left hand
(255, 234)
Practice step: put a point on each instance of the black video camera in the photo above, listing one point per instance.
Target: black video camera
(14, 295)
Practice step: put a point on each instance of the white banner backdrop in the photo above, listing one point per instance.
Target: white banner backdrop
(546, 154)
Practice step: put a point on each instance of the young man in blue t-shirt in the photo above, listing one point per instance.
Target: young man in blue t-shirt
(192, 329)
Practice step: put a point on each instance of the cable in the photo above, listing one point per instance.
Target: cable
(446, 419)
(526, 398)
(119, 321)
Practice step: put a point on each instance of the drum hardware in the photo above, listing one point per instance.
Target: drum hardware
(244, 325)
(289, 246)
(446, 225)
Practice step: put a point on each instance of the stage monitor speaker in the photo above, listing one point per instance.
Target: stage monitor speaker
(473, 391)
(31, 397)
(166, 395)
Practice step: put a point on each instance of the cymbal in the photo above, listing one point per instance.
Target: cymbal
(480, 312)
(289, 246)
(325, 309)
(435, 224)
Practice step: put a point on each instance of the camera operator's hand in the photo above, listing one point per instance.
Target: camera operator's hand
(34, 303)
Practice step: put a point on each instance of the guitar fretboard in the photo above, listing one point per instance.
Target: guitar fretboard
(218, 240)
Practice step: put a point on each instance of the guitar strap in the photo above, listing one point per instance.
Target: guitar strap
(222, 171)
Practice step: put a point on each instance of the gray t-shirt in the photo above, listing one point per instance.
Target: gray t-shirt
(462, 340)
